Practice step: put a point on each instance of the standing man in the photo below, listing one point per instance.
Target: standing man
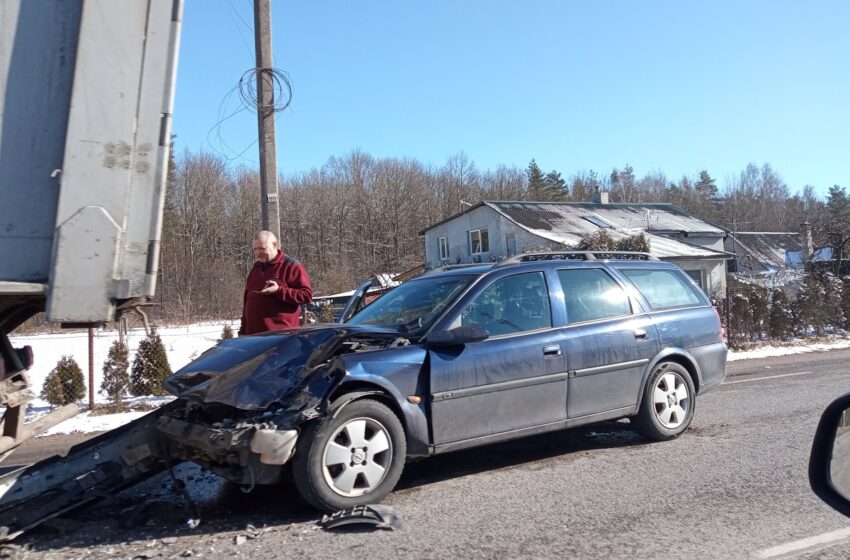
(276, 288)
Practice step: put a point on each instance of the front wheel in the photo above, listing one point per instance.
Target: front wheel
(668, 403)
(353, 459)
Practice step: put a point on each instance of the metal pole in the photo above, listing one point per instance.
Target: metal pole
(728, 316)
(91, 368)
(265, 116)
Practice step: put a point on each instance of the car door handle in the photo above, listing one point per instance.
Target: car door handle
(640, 334)
(553, 350)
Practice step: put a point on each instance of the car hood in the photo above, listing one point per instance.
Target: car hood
(254, 372)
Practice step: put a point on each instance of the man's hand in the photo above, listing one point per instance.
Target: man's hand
(270, 287)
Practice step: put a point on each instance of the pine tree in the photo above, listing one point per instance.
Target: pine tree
(556, 186)
(780, 322)
(832, 304)
(706, 187)
(741, 317)
(64, 384)
(150, 368)
(226, 333)
(812, 313)
(52, 391)
(116, 378)
(838, 206)
(537, 187)
(845, 301)
(760, 310)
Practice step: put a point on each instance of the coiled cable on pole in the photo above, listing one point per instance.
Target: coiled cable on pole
(281, 89)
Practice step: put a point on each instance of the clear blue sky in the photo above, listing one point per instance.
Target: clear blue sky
(666, 86)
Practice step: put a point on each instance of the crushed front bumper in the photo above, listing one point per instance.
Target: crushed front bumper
(247, 454)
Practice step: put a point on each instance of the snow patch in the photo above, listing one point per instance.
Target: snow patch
(799, 348)
(182, 345)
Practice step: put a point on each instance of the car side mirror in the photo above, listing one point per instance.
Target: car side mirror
(458, 336)
(829, 463)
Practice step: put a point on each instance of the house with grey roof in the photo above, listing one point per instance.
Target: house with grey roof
(492, 230)
(765, 252)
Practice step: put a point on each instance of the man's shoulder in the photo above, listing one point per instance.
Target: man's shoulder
(289, 261)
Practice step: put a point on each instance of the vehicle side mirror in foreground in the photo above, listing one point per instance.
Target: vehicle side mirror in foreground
(458, 336)
(829, 464)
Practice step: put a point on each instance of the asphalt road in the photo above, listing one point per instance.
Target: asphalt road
(734, 486)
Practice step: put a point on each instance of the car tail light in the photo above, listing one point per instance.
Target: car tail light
(720, 324)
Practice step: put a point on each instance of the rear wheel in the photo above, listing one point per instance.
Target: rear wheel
(355, 458)
(668, 403)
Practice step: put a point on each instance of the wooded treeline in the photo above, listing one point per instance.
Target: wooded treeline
(358, 215)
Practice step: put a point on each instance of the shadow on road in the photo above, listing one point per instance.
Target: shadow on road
(157, 511)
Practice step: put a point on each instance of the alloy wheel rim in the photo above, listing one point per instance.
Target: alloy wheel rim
(357, 457)
(671, 400)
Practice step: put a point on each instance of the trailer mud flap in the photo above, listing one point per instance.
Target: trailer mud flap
(91, 470)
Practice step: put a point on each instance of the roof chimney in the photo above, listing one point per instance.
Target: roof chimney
(600, 197)
(808, 244)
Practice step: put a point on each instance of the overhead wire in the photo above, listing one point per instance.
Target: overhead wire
(281, 93)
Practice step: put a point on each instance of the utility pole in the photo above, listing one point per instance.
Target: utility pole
(265, 116)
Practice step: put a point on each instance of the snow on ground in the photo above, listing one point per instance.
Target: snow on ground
(184, 343)
(88, 423)
(795, 348)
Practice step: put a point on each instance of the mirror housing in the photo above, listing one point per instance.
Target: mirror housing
(824, 462)
(458, 336)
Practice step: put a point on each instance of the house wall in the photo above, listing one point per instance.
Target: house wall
(499, 229)
(744, 262)
(525, 241)
(456, 231)
(709, 242)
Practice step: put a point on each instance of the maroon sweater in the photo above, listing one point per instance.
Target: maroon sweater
(266, 312)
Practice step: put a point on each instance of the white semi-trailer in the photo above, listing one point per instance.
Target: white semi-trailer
(86, 90)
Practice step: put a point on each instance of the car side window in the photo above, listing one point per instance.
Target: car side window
(664, 289)
(510, 305)
(591, 294)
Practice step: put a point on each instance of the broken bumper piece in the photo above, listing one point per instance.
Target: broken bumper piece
(244, 454)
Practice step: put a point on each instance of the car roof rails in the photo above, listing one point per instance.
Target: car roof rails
(579, 255)
(447, 267)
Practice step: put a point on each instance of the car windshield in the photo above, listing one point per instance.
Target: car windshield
(413, 306)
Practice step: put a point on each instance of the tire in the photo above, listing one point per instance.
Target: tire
(334, 468)
(668, 403)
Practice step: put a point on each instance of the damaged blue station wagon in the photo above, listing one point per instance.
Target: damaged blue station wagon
(447, 361)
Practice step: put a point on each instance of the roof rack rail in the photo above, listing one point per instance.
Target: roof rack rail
(447, 267)
(578, 255)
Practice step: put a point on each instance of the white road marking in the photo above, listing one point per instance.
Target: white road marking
(803, 544)
(768, 377)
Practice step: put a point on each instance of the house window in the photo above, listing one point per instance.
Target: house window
(479, 241)
(444, 248)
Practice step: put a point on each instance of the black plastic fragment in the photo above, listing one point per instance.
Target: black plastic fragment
(377, 517)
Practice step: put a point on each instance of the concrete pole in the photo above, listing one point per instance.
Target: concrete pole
(265, 117)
